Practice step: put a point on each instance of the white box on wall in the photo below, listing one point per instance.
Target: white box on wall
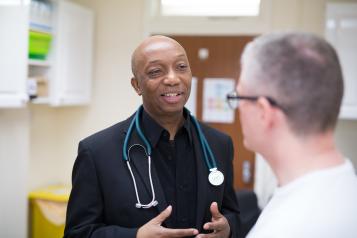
(341, 32)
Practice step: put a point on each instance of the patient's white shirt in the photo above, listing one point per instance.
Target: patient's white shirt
(319, 204)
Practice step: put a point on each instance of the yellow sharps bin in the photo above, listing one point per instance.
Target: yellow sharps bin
(48, 211)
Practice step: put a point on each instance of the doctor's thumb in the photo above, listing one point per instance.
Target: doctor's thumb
(214, 210)
(163, 215)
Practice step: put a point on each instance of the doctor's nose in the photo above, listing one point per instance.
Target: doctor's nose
(172, 78)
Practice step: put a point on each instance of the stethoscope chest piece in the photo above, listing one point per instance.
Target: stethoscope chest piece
(215, 177)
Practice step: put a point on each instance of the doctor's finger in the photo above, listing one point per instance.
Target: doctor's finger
(215, 225)
(167, 232)
(218, 225)
(162, 216)
(214, 211)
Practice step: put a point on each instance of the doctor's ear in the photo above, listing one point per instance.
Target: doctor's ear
(135, 84)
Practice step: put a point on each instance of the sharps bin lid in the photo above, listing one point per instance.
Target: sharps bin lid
(56, 193)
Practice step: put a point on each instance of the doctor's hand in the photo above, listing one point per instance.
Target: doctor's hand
(219, 225)
(154, 229)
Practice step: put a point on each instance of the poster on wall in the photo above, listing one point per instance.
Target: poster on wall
(215, 107)
(192, 100)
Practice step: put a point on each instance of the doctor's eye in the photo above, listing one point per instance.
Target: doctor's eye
(154, 73)
(182, 67)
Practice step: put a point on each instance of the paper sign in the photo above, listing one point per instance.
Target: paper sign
(215, 106)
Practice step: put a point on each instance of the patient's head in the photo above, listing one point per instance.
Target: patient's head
(301, 72)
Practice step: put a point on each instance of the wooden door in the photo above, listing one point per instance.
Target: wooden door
(222, 62)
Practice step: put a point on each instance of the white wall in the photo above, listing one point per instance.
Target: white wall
(304, 15)
(14, 159)
(346, 138)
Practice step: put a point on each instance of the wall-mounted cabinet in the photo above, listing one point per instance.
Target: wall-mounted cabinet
(13, 55)
(63, 76)
(341, 32)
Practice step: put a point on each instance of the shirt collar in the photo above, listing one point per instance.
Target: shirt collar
(153, 130)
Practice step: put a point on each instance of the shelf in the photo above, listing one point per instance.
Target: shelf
(40, 100)
(40, 28)
(44, 63)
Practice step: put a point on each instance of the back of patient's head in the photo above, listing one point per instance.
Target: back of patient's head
(302, 73)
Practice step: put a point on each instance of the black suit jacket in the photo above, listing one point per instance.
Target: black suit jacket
(102, 200)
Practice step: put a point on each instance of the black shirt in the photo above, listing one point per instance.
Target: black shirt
(175, 163)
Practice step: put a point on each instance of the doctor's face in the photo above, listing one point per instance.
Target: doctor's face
(163, 76)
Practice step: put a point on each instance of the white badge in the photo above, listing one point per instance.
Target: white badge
(215, 177)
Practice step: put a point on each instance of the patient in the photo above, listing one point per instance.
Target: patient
(289, 94)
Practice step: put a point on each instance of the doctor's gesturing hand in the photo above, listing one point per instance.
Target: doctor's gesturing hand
(219, 225)
(154, 229)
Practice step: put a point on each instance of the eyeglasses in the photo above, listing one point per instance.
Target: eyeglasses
(233, 100)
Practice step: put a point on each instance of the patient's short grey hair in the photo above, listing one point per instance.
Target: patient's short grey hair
(302, 73)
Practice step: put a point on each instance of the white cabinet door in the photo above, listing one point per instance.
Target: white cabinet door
(72, 70)
(341, 32)
(13, 53)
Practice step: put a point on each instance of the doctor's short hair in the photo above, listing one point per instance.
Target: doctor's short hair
(302, 73)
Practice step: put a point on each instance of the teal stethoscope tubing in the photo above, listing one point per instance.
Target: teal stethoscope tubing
(211, 163)
(206, 148)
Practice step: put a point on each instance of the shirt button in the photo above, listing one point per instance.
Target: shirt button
(182, 187)
(165, 134)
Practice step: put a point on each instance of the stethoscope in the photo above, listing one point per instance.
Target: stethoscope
(215, 176)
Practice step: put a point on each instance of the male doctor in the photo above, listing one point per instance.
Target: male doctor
(104, 197)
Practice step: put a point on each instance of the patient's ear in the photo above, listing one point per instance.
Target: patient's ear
(267, 112)
(135, 84)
